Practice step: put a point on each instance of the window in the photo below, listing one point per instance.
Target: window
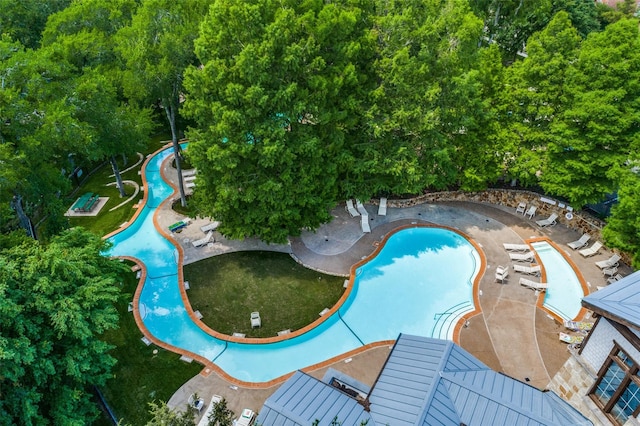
(617, 390)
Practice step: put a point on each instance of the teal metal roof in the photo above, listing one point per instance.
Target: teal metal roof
(425, 382)
(621, 300)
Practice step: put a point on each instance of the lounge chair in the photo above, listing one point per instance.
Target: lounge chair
(215, 399)
(567, 338)
(532, 284)
(361, 208)
(550, 221)
(502, 273)
(521, 208)
(531, 212)
(204, 241)
(522, 257)
(609, 263)
(578, 244)
(609, 272)
(210, 227)
(190, 172)
(351, 209)
(256, 322)
(364, 224)
(613, 279)
(190, 185)
(382, 208)
(580, 326)
(516, 247)
(594, 249)
(529, 270)
(189, 178)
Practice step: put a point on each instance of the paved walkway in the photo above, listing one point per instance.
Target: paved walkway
(511, 335)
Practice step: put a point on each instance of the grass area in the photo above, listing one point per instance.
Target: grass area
(227, 288)
(140, 376)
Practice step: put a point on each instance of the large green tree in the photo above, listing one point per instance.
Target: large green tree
(596, 133)
(423, 112)
(55, 300)
(25, 20)
(277, 101)
(157, 47)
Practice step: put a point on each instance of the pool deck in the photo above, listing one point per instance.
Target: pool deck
(511, 334)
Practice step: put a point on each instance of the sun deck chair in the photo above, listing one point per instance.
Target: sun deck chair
(529, 270)
(190, 172)
(613, 279)
(256, 322)
(609, 272)
(531, 212)
(550, 221)
(502, 273)
(204, 241)
(578, 244)
(351, 209)
(364, 224)
(210, 226)
(190, 185)
(567, 338)
(594, 249)
(581, 326)
(521, 208)
(516, 247)
(609, 263)
(382, 208)
(532, 284)
(522, 257)
(361, 208)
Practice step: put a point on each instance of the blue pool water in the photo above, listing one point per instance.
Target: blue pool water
(419, 283)
(564, 291)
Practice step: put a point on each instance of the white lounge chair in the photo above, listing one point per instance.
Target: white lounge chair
(522, 257)
(594, 249)
(532, 284)
(190, 185)
(613, 279)
(521, 208)
(502, 273)
(351, 209)
(609, 263)
(215, 399)
(189, 178)
(578, 244)
(550, 221)
(190, 172)
(531, 212)
(567, 338)
(210, 227)
(609, 272)
(581, 326)
(256, 322)
(361, 208)
(364, 224)
(516, 247)
(382, 208)
(529, 270)
(203, 241)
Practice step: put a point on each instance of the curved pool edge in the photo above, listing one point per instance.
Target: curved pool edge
(543, 277)
(210, 366)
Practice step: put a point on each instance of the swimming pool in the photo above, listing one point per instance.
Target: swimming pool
(420, 282)
(564, 292)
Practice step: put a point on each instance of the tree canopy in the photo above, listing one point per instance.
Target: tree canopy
(55, 300)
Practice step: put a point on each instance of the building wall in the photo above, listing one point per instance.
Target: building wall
(576, 377)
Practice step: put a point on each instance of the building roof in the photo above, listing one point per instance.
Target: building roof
(425, 381)
(303, 399)
(619, 301)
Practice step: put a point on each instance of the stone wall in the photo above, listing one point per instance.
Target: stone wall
(581, 222)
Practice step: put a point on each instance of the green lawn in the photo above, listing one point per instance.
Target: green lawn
(227, 288)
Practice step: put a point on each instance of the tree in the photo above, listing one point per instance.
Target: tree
(623, 227)
(421, 108)
(24, 20)
(535, 95)
(157, 47)
(583, 14)
(55, 300)
(278, 97)
(221, 414)
(162, 415)
(594, 136)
